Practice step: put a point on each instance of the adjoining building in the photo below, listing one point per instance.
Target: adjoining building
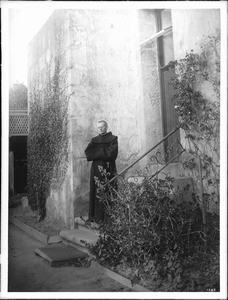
(18, 132)
(115, 63)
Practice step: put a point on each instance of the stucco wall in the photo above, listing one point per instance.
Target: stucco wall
(115, 81)
(190, 27)
(42, 51)
(104, 89)
(112, 78)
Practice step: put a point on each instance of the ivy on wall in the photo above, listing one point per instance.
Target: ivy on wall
(196, 76)
(48, 140)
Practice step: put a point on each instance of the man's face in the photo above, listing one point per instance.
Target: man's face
(102, 128)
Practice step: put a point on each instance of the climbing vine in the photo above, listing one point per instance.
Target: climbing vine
(196, 76)
(48, 139)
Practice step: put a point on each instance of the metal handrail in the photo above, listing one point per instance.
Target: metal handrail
(167, 164)
(143, 155)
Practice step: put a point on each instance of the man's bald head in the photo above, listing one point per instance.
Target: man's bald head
(102, 127)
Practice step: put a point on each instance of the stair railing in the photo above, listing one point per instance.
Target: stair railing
(147, 152)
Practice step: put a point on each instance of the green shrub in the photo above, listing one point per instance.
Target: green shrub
(148, 230)
(196, 84)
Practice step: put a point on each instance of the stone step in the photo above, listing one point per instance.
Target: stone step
(79, 236)
(62, 255)
(82, 222)
(89, 232)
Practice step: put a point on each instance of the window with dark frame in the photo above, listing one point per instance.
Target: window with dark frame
(165, 50)
(165, 55)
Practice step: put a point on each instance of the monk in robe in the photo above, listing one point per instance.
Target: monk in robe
(102, 151)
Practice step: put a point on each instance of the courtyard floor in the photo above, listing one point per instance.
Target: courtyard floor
(30, 273)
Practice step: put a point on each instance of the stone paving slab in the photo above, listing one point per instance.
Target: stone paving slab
(62, 255)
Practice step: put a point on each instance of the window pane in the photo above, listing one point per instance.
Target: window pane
(166, 18)
(168, 48)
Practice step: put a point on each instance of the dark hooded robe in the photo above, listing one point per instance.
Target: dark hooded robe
(102, 150)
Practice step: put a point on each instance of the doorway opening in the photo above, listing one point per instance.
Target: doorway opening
(18, 164)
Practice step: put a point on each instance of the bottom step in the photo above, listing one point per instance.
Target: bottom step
(63, 256)
(79, 236)
(82, 222)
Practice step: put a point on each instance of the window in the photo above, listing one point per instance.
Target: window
(163, 39)
(165, 55)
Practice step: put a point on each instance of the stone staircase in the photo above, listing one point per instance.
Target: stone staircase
(81, 234)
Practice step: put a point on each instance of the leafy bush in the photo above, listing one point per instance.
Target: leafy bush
(194, 77)
(147, 230)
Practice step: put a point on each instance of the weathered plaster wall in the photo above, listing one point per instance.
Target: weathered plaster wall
(190, 26)
(42, 51)
(112, 78)
(107, 81)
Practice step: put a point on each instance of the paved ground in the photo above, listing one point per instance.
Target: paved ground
(30, 273)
